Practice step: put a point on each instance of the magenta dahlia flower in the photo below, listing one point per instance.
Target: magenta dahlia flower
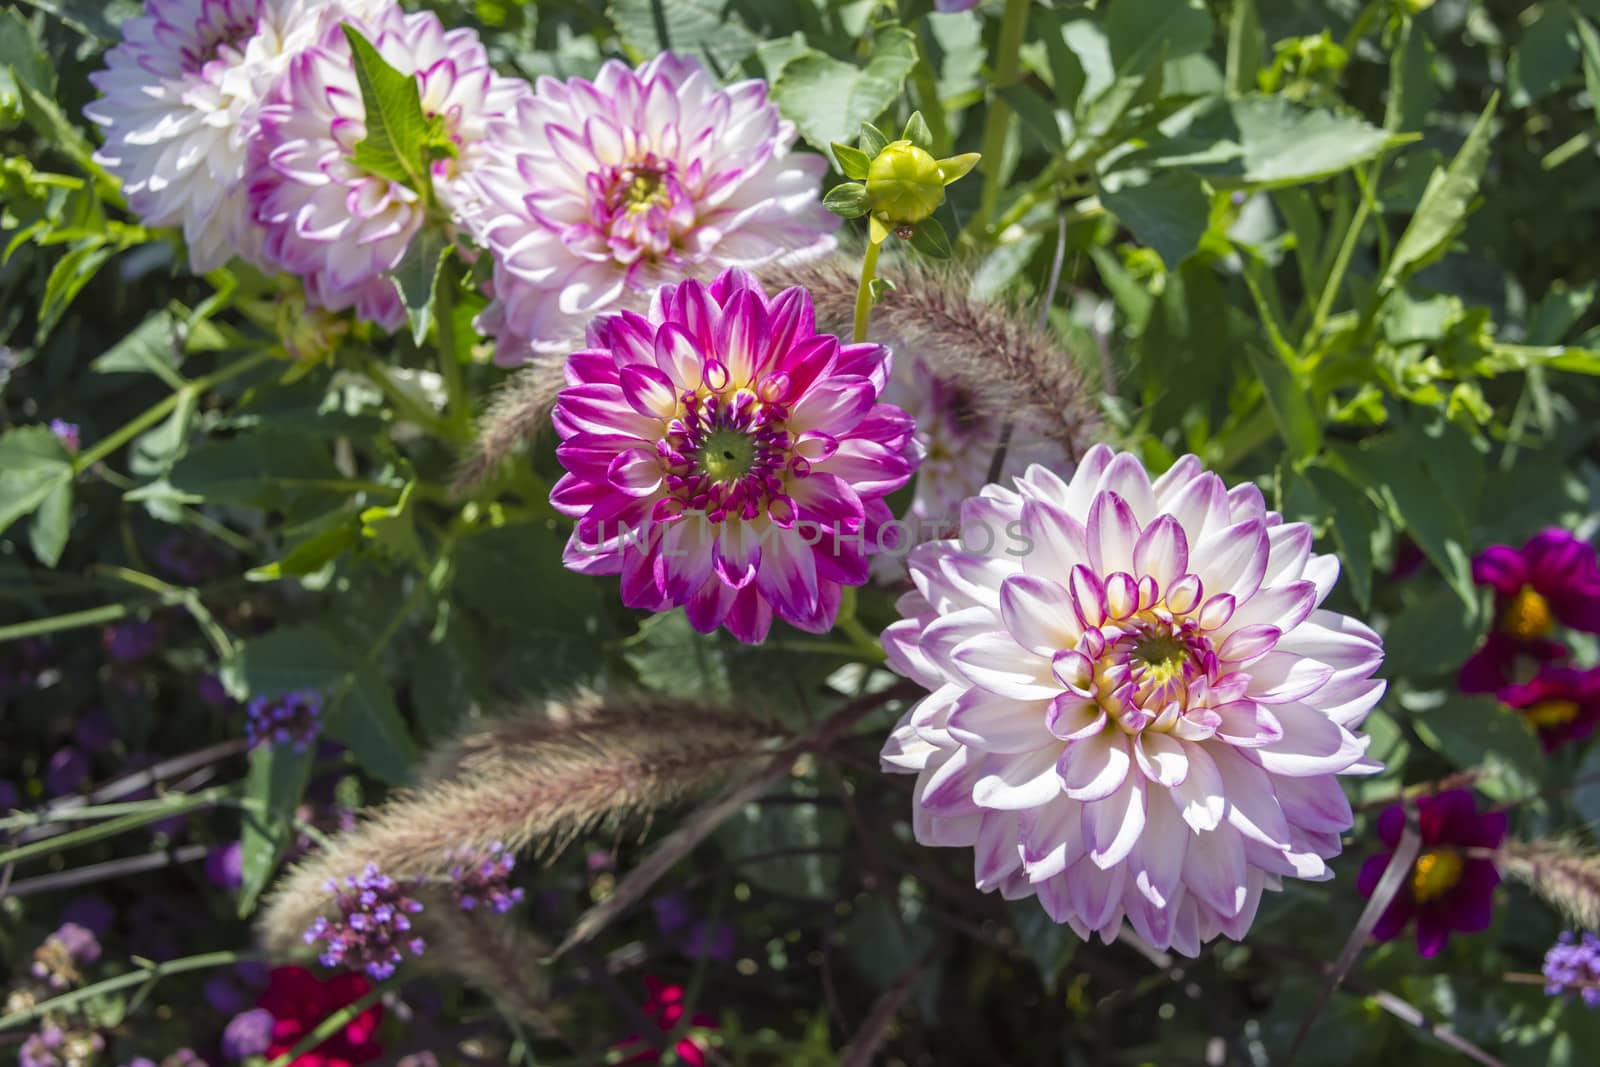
(724, 456)
(594, 193)
(1451, 885)
(1562, 704)
(342, 227)
(180, 101)
(1136, 707)
(1553, 578)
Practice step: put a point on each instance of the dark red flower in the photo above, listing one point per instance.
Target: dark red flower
(1450, 888)
(1552, 578)
(1561, 703)
(299, 1001)
(665, 1004)
(1503, 660)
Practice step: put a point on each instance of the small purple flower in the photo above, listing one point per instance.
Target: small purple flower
(9, 797)
(66, 433)
(1561, 703)
(130, 641)
(188, 559)
(1552, 578)
(294, 718)
(948, 7)
(1573, 966)
(483, 877)
(692, 936)
(225, 866)
(93, 913)
(94, 730)
(224, 995)
(372, 926)
(57, 961)
(211, 692)
(67, 770)
(248, 1034)
(40, 1049)
(1451, 885)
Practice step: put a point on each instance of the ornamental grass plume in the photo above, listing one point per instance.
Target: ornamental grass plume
(536, 781)
(964, 367)
(725, 457)
(1136, 709)
(1561, 871)
(595, 193)
(181, 100)
(342, 226)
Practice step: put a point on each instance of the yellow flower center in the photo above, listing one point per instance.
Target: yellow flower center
(1527, 616)
(1551, 712)
(1435, 874)
(1163, 659)
(727, 454)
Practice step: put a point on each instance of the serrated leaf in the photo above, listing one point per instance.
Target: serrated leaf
(853, 163)
(1140, 30)
(1167, 212)
(358, 705)
(394, 528)
(68, 277)
(33, 464)
(398, 133)
(152, 347)
(930, 239)
(828, 99)
(1444, 204)
(275, 786)
(312, 554)
(1291, 407)
(418, 275)
(708, 27)
(1354, 518)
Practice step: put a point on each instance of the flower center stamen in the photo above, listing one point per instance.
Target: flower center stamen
(1528, 616)
(1163, 657)
(1551, 712)
(1436, 873)
(726, 455)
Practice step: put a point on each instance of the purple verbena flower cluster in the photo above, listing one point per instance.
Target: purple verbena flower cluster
(372, 927)
(58, 959)
(294, 718)
(483, 877)
(1573, 966)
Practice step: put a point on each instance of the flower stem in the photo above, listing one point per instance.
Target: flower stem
(996, 128)
(153, 811)
(329, 1026)
(151, 974)
(869, 271)
(458, 408)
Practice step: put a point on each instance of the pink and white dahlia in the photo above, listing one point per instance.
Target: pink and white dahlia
(594, 193)
(723, 456)
(339, 225)
(1136, 708)
(180, 99)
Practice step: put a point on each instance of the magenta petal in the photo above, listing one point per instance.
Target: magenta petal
(1501, 567)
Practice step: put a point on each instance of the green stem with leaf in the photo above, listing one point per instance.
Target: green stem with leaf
(869, 271)
(997, 127)
(151, 974)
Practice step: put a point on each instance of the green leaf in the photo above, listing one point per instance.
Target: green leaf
(1586, 787)
(1412, 90)
(848, 200)
(358, 705)
(152, 347)
(1589, 41)
(275, 787)
(313, 553)
(68, 277)
(708, 27)
(1477, 732)
(1051, 945)
(1052, 127)
(1290, 405)
(1246, 46)
(1167, 212)
(393, 529)
(930, 239)
(35, 79)
(828, 99)
(399, 135)
(418, 275)
(265, 468)
(1546, 56)
(33, 465)
(853, 162)
(1444, 205)
(761, 828)
(1354, 520)
(1264, 141)
(917, 132)
(448, 676)
(1140, 30)
(47, 535)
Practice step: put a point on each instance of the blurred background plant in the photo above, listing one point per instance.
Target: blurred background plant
(1338, 249)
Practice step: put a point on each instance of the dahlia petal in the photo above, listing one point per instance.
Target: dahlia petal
(1311, 744)
(1112, 533)
(996, 854)
(1054, 542)
(1199, 797)
(1214, 870)
(1281, 678)
(996, 663)
(1161, 757)
(1093, 768)
(1157, 862)
(1038, 613)
(1253, 807)
(1020, 782)
(998, 724)
(1162, 551)
(1111, 827)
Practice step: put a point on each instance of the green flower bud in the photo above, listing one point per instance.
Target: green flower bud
(904, 184)
(309, 335)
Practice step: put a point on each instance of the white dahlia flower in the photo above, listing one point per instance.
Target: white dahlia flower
(595, 193)
(180, 97)
(1136, 707)
(340, 226)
